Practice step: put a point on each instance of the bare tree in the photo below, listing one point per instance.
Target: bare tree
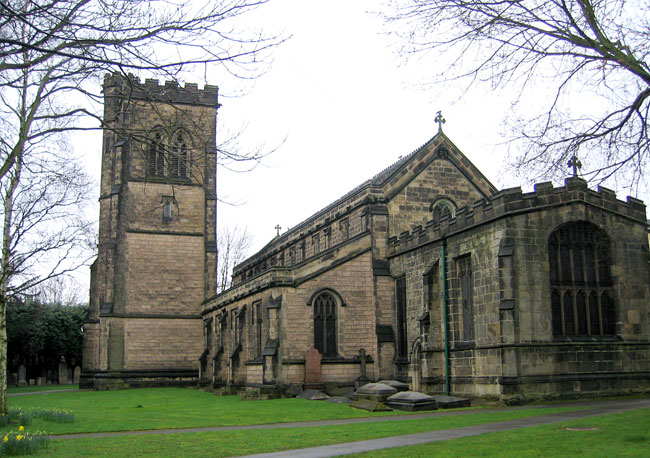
(53, 55)
(233, 245)
(591, 55)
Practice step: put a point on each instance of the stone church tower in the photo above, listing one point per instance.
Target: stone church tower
(157, 251)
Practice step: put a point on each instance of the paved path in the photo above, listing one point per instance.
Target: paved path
(347, 448)
(591, 409)
(42, 392)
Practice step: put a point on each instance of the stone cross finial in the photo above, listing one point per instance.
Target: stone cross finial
(277, 228)
(440, 121)
(576, 164)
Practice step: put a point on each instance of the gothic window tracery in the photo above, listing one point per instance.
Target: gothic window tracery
(441, 208)
(325, 324)
(156, 156)
(581, 284)
(168, 158)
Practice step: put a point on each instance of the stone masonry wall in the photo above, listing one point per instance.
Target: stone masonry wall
(513, 352)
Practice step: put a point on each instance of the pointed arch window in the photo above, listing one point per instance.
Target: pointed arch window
(156, 156)
(178, 168)
(168, 158)
(442, 207)
(581, 284)
(325, 324)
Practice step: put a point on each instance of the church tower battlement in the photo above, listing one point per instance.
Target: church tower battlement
(156, 261)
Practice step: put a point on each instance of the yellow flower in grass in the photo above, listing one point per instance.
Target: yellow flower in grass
(19, 437)
(22, 428)
(6, 438)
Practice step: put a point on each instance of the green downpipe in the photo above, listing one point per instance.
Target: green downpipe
(446, 315)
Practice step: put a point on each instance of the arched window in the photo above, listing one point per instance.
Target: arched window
(178, 162)
(442, 207)
(325, 324)
(167, 158)
(581, 283)
(156, 157)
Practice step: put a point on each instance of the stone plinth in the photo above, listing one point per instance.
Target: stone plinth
(412, 401)
(378, 392)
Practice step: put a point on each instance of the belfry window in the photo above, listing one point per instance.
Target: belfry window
(168, 158)
(156, 157)
(582, 300)
(178, 162)
(441, 208)
(325, 324)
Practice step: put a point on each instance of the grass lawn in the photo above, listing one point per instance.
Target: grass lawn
(622, 434)
(158, 408)
(230, 443)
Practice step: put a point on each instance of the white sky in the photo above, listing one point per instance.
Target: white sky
(340, 105)
(348, 108)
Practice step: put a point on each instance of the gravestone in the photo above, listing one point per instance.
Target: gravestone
(378, 392)
(77, 375)
(412, 401)
(13, 379)
(451, 402)
(40, 381)
(63, 372)
(313, 370)
(363, 378)
(313, 395)
(370, 406)
(22, 375)
(399, 386)
(339, 400)
(32, 382)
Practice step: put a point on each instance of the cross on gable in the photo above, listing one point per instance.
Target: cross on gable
(576, 164)
(440, 121)
(277, 228)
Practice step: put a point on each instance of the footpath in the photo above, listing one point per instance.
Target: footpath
(589, 409)
(592, 409)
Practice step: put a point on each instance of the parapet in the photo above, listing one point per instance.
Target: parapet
(130, 86)
(512, 201)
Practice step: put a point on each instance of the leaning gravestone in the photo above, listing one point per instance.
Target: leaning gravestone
(77, 375)
(63, 372)
(313, 395)
(22, 375)
(313, 370)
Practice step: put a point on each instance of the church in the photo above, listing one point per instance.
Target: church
(425, 273)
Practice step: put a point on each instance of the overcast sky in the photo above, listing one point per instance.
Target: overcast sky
(340, 105)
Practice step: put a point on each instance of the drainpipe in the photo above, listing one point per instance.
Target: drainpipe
(446, 314)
